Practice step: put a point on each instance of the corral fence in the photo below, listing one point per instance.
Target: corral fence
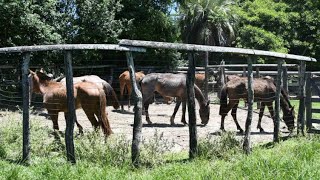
(313, 98)
(129, 46)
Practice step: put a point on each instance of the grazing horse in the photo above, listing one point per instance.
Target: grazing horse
(108, 90)
(172, 85)
(125, 83)
(200, 79)
(88, 96)
(264, 91)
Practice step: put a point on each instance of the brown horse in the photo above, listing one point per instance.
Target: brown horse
(200, 79)
(108, 90)
(172, 85)
(87, 95)
(264, 91)
(125, 83)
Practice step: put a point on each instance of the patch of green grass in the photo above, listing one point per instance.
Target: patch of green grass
(220, 158)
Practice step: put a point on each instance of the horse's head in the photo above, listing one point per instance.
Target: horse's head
(35, 78)
(204, 112)
(288, 118)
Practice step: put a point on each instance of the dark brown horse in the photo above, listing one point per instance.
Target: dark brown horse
(108, 90)
(264, 91)
(172, 85)
(125, 83)
(88, 96)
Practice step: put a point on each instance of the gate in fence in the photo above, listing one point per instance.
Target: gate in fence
(312, 99)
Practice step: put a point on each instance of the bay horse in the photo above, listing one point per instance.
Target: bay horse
(88, 96)
(172, 85)
(125, 83)
(264, 91)
(200, 79)
(107, 88)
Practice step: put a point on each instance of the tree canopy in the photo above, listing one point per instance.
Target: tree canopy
(289, 26)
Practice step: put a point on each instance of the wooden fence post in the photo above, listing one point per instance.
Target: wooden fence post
(285, 78)
(277, 102)
(302, 94)
(206, 62)
(193, 149)
(246, 142)
(71, 115)
(308, 101)
(258, 76)
(137, 125)
(25, 101)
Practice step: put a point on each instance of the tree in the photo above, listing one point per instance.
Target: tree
(150, 20)
(28, 23)
(207, 22)
(281, 26)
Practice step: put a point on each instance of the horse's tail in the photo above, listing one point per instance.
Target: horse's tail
(104, 116)
(223, 99)
(111, 95)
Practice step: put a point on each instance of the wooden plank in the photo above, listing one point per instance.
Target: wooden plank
(314, 131)
(193, 47)
(315, 99)
(137, 124)
(193, 140)
(315, 110)
(115, 47)
(315, 121)
(264, 72)
(25, 101)
(71, 114)
(246, 142)
(253, 65)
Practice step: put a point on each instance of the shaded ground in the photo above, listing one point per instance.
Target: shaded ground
(121, 124)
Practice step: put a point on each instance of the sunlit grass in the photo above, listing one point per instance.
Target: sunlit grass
(219, 158)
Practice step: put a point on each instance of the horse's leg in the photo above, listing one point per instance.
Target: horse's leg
(234, 115)
(121, 95)
(270, 107)
(224, 111)
(183, 118)
(54, 118)
(90, 115)
(146, 107)
(129, 95)
(78, 125)
(175, 112)
(262, 106)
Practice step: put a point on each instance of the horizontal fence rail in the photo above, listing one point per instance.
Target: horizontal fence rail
(193, 47)
(21, 49)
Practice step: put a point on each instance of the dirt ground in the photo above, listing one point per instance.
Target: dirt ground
(122, 122)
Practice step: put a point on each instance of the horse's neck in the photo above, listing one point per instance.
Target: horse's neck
(284, 103)
(199, 96)
(46, 86)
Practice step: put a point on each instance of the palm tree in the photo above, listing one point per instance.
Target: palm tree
(207, 22)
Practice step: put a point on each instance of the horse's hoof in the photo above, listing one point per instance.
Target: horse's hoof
(262, 130)
(149, 122)
(184, 123)
(241, 131)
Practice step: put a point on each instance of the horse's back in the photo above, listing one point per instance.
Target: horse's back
(167, 84)
(238, 87)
